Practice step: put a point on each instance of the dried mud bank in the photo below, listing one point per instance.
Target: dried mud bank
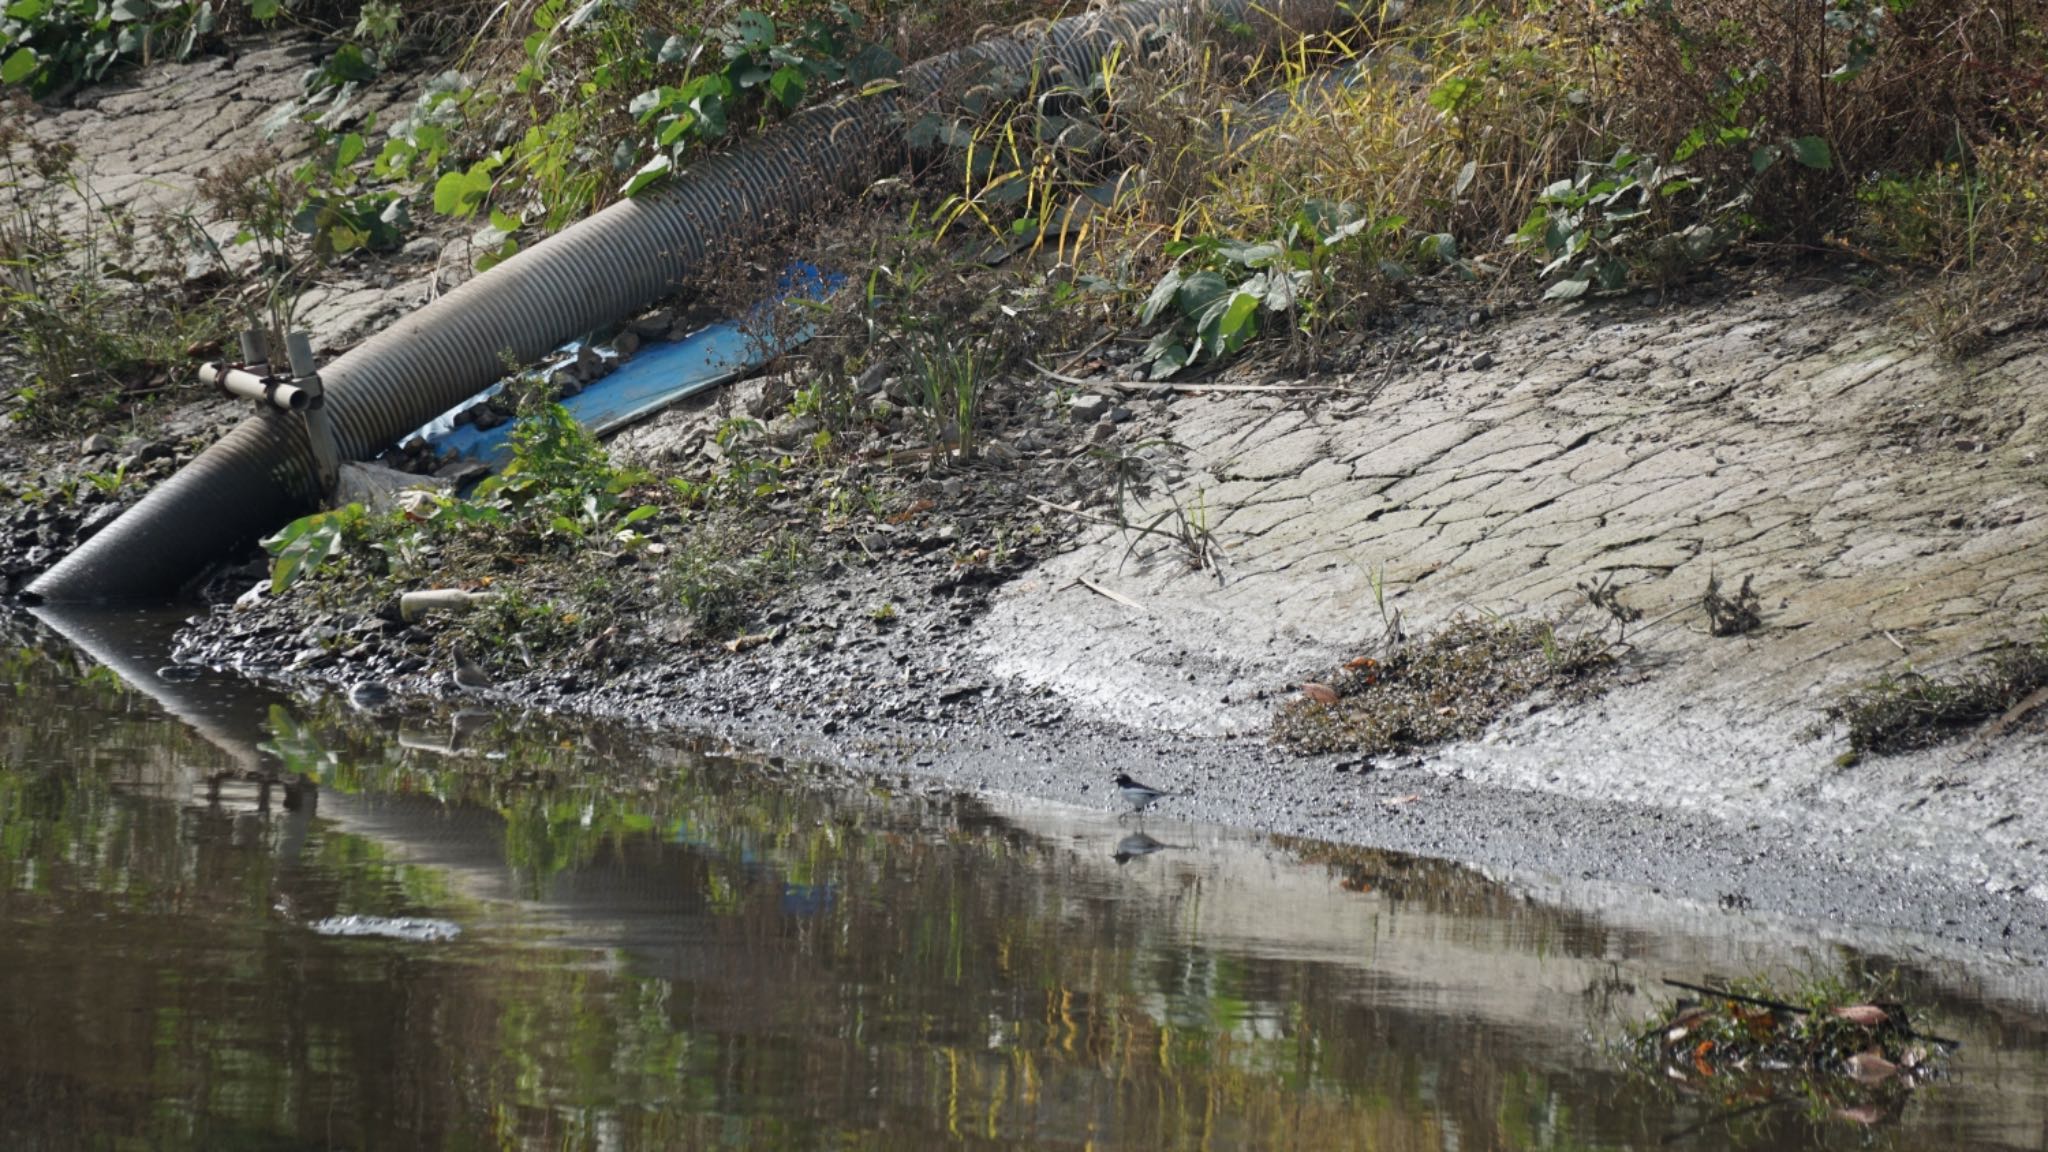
(1887, 505)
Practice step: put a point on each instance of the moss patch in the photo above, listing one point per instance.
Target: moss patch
(1449, 686)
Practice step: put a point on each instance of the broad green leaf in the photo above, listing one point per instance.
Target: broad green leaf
(264, 10)
(1199, 292)
(504, 222)
(19, 66)
(787, 86)
(448, 193)
(1240, 321)
(1162, 297)
(750, 30)
(348, 150)
(1167, 354)
(652, 101)
(125, 11)
(1567, 290)
(641, 513)
(650, 173)
(1762, 158)
(674, 128)
(1813, 152)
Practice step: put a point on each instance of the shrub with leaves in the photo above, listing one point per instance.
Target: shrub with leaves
(1620, 219)
(1221, 291)
(49, 44)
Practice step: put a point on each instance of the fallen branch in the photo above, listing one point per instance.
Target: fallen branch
(1780, 1006)
(1119, 597)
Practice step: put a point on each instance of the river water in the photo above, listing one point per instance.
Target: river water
(586, 938)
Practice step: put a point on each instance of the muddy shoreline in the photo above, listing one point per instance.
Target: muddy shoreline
(1468, 457)
(1583, 802)
(996, 739)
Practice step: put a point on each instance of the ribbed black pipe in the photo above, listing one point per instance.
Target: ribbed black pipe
(595, 273)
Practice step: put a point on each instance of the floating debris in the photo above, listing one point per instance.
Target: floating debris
(416, 929)
(1850, 1045)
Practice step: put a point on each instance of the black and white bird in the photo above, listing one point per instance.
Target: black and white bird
(1140, 796)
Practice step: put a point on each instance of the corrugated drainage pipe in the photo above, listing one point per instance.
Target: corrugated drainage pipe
(605, 268)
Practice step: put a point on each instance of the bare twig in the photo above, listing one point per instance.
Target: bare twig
(1106, 593)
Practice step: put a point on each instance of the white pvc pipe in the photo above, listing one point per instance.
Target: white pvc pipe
(290, 397)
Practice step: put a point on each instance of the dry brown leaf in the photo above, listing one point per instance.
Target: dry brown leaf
(1871, 1067)
(1862, 1015)
(1320, 693)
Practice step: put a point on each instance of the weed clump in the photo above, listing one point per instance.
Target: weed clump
(1735, 615)
(93, 310)
(1914, 710)
(1449, 686)
(1849, 1042)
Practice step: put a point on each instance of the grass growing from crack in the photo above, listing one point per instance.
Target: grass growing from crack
(1735, 615)
(1448, 686)
(1913, 710)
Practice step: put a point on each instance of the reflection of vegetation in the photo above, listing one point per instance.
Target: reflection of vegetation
(1437, 885)
(784, 966)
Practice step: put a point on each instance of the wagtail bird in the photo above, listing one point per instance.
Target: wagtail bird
(469, 676)
(1139, 796)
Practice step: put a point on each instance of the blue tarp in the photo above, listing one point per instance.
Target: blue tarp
(659, 375)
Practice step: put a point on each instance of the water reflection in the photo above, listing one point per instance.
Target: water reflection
(665, 945)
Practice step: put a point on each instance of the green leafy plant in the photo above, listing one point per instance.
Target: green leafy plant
(1221, 291)
(310, 544)
(1616, 217)
(46, 45)
(767, 70)
(951, 376)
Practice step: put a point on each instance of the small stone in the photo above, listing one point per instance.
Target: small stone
(97, 519)
(625, 344)
(1087, 408)
(1101, 432)
(421, 248)
(654, 325)
(1482, 362)
(96, 445)
(1119, 414)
